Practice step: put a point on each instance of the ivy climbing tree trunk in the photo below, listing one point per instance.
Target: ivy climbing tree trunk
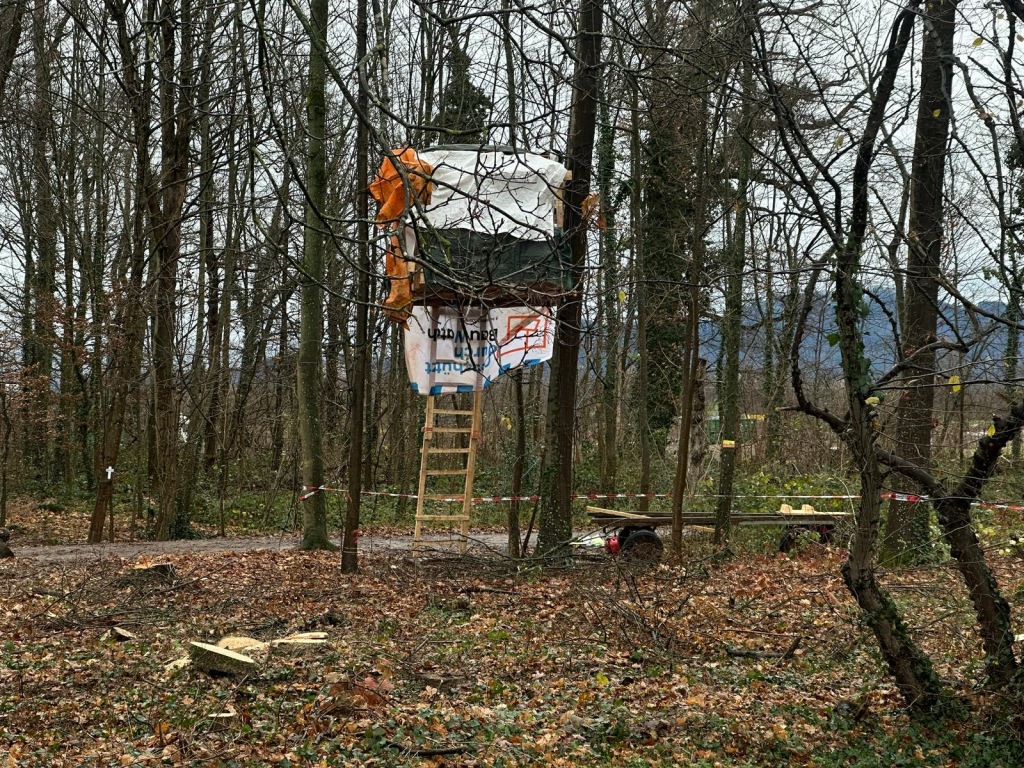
(910, 667)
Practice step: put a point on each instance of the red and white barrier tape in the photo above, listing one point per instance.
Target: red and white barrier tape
(311, 490)
(907, 497)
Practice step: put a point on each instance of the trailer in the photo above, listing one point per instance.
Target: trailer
(634, 535)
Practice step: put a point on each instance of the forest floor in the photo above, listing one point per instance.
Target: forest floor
(53, 536)
(759, 660)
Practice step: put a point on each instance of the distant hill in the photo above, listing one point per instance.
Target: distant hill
(983, 359)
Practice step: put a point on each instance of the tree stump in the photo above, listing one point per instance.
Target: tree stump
(210, 658)
(5, 536)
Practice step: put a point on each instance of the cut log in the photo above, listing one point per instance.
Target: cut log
(249, 646)
(298, 646)
(156, 571)
(306, 636)
(122, 635)
(241, 643)
(221, 720)
(174, 666)
(210, 658)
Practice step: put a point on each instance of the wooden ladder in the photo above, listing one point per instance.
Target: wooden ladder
(444, 440)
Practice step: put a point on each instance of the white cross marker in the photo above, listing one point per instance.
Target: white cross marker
(110, 473)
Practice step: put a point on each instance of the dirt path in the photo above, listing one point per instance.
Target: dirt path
(133, 549)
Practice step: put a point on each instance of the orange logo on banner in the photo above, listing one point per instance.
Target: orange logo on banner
(527, 332)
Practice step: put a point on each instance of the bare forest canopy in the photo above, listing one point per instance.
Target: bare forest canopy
(791, 233)
(154, 187)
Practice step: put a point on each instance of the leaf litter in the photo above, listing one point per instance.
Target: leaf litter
(467, 661)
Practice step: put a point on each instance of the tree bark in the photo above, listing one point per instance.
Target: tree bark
(735, 262)
(11, 16)
(125, 350)
(608, 423)
(912, 670)
(166, 205)
(906, 532)
(556, 518)
(360, 369)
(314, 510)
(909, 666)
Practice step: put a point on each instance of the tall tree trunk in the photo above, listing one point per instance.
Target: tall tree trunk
(906, 532)
(698, 416)
(349, 554)
(166, 207)
(735, 262)
(612, 295)
(1012, 314)
(638, 241)
(911, 668)
(43, 308)
(556, 518)
(314, 510)
(127, 294)
(11, 15)
(5, 452)
(518, 466)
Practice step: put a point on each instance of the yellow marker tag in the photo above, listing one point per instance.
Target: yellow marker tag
(991, 430)
(954, 382)
(728, 443)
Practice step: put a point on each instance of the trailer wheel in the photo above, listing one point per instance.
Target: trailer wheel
(643, 545)
(790, 537)
(793, 534)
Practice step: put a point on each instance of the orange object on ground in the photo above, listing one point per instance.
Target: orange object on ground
(395, 191)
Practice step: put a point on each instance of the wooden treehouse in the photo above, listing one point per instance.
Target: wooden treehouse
(476, 258)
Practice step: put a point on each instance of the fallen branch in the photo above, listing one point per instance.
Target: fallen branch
(491, 590)
(750, 653)
(427, 751)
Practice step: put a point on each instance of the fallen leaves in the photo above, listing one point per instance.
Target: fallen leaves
(398, 666)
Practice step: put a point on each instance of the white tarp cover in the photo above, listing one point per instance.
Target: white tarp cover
(493, 192)
(451, 350)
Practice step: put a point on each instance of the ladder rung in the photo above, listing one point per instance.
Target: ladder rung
(460, 430)
(439, 412)
(447, 471)
(447, 450)
(455, 518)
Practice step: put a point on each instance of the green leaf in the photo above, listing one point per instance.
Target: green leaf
(833, 338)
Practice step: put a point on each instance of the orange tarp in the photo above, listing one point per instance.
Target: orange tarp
(395, 190)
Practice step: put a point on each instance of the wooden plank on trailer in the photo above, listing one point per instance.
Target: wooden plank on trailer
(613, 512)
